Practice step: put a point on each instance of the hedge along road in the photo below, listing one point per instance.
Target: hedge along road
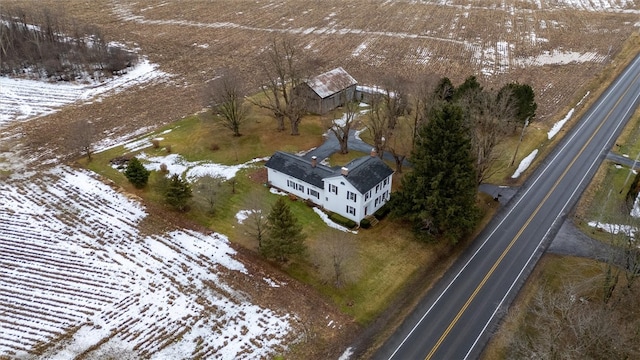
(454, 321)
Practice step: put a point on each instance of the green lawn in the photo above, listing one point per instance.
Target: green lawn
(387, 255)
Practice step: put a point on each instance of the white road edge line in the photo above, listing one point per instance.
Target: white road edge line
(600, 103)
(543, 238)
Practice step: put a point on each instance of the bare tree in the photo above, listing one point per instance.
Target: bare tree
(81, 137)
(256, 222)
(207, 190)
(399, 141)
(394, 100)
(423, 100)
(570, 323)
(376, 123)
(227, 102)
(341, 127)
(489, 119)
(625, 254)
(34, 40)
(283, 71)
(336, 257)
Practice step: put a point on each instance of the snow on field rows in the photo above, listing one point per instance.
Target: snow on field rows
(491, 57)
(21, 99)
(73, 265)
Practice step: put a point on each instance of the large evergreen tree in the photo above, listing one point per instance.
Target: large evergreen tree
(523, 99)
(439, 195)
(469, 89)
(444, 90)
(136, 173)
(284, 234)
(178, 193)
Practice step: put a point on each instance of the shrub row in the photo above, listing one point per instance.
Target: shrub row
(382, 212)
(339, 219)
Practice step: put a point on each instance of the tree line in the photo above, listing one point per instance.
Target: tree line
(47, 44)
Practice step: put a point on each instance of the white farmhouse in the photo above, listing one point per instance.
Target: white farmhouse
(354, 191)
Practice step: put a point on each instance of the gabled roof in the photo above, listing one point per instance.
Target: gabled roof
(299, 168)
(363, 173)
(366, 172)
(331, 82)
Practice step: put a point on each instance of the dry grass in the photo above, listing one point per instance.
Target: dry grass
(552, 269)
(194, 41)
(189, 39)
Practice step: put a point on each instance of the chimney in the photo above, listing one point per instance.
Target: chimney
(344, 171)
(314, 161)
(374, 153)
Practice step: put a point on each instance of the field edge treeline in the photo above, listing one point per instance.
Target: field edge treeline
(47, 44)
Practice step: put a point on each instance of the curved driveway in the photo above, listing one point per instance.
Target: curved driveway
(455, 319)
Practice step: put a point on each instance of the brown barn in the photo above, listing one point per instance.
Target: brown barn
(328, 91)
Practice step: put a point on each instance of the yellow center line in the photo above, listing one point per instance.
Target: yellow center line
(506, 250)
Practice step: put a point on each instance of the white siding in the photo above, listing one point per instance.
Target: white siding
(331, 201)
(338, 202)
(288, 184)
(378, 195)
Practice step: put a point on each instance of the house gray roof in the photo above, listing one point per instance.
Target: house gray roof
(299, 168)
(331, 82)
(364, 173)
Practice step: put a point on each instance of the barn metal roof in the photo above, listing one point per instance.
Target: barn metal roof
(331, 82)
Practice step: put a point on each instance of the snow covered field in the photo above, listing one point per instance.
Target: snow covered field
(74, 263)
(22, 99)
(79, 276)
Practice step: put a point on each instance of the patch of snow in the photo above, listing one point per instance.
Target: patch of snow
(271, 283)
(358, 132)
(346, 355)
(560, 57)
(277, 192)
(524, 164)
(23, 99)
(176, 164)
(614, 228)
(243, 215)
(635, 211)
(583, 98)
(330, 223)
(555, 129)
(362, 47)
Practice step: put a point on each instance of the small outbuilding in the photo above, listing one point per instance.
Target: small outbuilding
(327, 91)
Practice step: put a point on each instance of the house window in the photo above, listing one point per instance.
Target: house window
(386, 181)
(351, 196)
(351, 210)
(377, 188)
(295, 185)
(313, 193)
(333, 189)
(367, 195)
(386, 195)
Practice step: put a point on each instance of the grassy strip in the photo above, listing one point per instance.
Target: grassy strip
(601, 201)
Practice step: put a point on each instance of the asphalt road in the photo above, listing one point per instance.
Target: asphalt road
(456, 318)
